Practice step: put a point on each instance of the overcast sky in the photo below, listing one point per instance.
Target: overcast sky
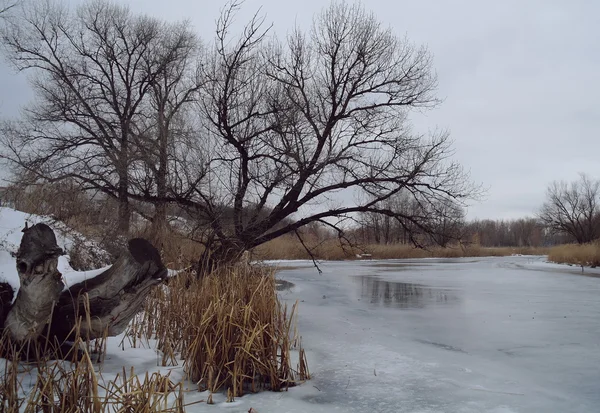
(520, 82)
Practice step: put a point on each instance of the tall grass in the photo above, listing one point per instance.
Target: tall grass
(48, 383)
(230, 329)
(582, 255)
(288, 247)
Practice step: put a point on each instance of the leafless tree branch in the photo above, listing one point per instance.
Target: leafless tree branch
(573, 209)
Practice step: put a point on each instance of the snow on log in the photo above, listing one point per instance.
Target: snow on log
(114, 295)
(44, 307)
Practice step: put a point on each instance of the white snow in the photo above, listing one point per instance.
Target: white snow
(71, 277)
(542, 264)
(12, 223)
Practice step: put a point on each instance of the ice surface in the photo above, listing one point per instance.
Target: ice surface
(511, 334)
(499, 335)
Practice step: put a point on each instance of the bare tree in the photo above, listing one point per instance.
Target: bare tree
(526, 232)
(92, 71)
(447, 222)
(573, 209)
(166, 129)
(379, 228)
(314, 129)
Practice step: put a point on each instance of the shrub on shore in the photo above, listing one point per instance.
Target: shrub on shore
(230, 329)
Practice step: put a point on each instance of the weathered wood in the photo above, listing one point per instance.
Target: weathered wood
(41, 284)
(6, 296)
(114, 296)
(44, 308)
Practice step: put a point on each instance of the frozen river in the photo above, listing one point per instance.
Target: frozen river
(509, 334)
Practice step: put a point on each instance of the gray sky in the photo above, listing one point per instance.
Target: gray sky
(520, 81)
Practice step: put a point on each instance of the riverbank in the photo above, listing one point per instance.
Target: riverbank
(586, 255)
(290, 248)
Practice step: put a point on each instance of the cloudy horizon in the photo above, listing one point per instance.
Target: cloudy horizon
(518, 82)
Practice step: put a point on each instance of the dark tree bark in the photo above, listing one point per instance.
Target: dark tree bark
(6, 296)
(43, 308)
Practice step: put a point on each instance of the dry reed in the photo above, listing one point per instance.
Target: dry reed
(60, 386)
(230, 329)
(581, 255)
(288, 247)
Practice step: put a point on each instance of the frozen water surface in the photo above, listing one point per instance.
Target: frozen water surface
(498, 335)
(510, 334)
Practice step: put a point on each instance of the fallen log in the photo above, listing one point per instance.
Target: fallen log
(102, 305)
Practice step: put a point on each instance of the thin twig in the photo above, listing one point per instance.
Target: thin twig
(307, 249)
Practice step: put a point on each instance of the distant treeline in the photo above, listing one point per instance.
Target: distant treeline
(522, 232)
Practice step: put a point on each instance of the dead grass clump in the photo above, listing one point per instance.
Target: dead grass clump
(230, 329)
(61, 378)
(64, 387)
(581, 255)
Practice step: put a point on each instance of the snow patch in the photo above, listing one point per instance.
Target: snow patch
(70, 277)
(12, 223)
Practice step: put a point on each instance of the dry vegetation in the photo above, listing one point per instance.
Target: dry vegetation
(59, 386)
(229, 329)
(60, 377)
(288, 247)
(577, 254)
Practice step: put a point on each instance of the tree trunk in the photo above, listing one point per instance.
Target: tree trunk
(219, 256)
(160, 226)
(124, 210)
(123, 187)
(45, 309)
(41, 284)
(159, 222)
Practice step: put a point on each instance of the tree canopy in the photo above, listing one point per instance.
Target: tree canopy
(255, 137)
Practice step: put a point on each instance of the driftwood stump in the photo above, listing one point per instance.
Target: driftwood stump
(44, 308)
(41, 284)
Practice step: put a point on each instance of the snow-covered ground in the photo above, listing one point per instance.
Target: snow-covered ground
(12, 223)
(501, 335)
